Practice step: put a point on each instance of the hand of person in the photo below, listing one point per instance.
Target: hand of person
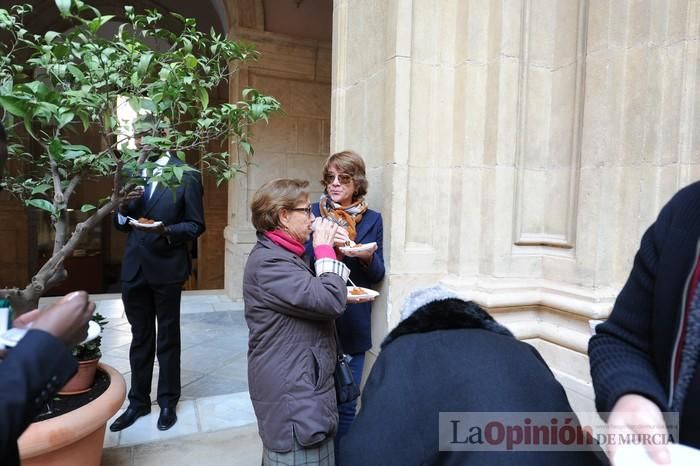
(325, 233)
(341, 237)
(66, 319)
(135, 194)
(635, 414)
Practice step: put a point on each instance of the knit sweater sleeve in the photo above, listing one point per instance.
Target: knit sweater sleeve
(621, 351)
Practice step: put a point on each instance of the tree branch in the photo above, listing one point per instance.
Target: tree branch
(58, 192)
(60, 238)
(71, 187)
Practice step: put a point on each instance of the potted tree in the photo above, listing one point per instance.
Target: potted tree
(58, 86)
(88, 356)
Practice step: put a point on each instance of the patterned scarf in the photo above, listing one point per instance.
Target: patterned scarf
(346, 217)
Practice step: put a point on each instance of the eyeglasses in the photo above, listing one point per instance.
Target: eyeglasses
(306, 209)
(344, 178)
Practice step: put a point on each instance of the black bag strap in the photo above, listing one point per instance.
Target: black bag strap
(338, 347)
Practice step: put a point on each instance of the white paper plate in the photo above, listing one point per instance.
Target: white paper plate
(361, 247)
(367, 293)
(146, 225)
(14, 335)
(635, 455)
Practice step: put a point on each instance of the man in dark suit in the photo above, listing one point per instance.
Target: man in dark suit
(156, 263)
(40, 364)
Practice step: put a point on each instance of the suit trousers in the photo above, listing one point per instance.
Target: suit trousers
(145, 305)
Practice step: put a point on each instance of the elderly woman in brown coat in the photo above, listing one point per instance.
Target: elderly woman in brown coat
(290, 312)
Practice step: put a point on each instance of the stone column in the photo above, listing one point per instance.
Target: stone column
(518, 149)
(293, 145)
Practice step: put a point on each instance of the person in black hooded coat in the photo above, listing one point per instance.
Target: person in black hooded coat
(451, 356)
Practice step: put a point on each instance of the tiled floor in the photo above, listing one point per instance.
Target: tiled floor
(214, 373)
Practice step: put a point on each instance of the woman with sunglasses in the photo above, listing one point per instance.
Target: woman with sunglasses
(345, 186)
(290, 311)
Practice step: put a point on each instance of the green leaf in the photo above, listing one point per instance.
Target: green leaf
(56, 149)
(98, 22)
(148, 105)
(65, 118)
(42, 204)
(75, 71)
(204, 97)
(144, 62)
(246, 147)
(28, 125)
(178, 171)
(87, 208)
(41, 189)
(14, 105)
(64, 6)
(256, 111)
(78, 148)
(191, 61)
(188, 45)
(50, 36)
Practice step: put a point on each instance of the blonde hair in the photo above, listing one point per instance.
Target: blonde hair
(351, 163)
(274, 196)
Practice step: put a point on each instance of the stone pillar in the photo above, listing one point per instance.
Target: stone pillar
(518, 149)
(293, 145)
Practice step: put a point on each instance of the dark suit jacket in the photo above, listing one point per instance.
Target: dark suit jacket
(354, 326)
(164, 259)
(30, 375)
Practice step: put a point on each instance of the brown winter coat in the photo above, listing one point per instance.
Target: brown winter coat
(291, 346)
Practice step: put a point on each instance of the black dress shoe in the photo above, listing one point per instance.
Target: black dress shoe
(128, 418)
(167, 418)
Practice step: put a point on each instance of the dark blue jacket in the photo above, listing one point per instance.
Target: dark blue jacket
(354, 326)
(448, 358)
(30, 376)
(633, 350)
(164, 259)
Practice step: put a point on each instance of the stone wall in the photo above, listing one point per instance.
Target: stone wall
(519, 149)
(293, 145)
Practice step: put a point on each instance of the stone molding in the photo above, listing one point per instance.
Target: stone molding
(588, 303)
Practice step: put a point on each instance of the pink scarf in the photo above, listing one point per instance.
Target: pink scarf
(284, 240)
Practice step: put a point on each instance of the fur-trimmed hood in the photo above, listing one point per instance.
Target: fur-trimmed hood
(446, 314)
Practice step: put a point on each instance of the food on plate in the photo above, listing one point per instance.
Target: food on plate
(357, 291)
(146, 221)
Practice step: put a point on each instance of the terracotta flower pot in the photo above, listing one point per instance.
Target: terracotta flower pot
(82, 381)
(74, 438)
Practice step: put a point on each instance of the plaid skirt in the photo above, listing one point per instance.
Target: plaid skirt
(321, 454)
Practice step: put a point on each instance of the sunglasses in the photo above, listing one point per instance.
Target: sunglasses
(306, 209)
(343, 178)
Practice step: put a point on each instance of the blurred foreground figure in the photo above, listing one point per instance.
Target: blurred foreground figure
(644, 358)
(40, 364)
(450, 356)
